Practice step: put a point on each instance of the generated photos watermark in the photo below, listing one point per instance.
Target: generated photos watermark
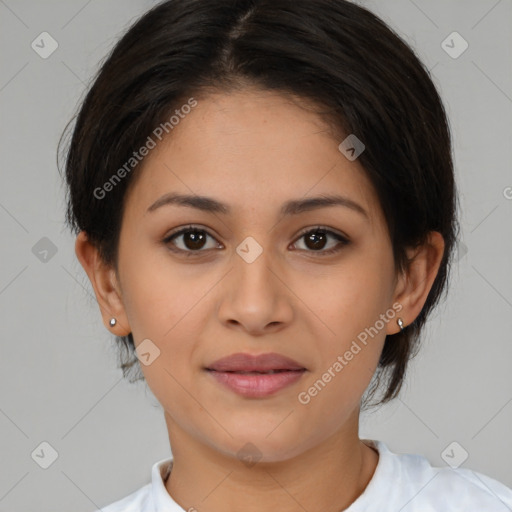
(335, 368)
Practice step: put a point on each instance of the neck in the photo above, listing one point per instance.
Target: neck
(328, 477)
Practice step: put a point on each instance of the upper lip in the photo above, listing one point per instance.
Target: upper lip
(248, 363)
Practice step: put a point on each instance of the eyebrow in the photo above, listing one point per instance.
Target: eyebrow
(292, 207)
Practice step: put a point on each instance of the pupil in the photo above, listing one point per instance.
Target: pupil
(311, 238)
(196, 237)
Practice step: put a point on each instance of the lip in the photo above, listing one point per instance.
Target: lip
(227, 371)
(241, 362)
(257, 385)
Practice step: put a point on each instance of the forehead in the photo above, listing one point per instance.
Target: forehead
(252, 150)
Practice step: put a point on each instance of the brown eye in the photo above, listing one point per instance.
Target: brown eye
(192, 240)
(317, 239)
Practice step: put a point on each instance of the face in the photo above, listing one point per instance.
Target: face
(306, 283)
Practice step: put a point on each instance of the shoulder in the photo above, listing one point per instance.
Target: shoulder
(137, 501)
(426, 487)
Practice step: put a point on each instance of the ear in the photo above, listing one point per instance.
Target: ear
(414, 283)
(106, 287)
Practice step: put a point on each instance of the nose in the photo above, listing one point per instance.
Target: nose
(255, 297)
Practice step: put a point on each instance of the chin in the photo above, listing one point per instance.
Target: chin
(255, 443)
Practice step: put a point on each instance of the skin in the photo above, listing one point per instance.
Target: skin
(254, 150)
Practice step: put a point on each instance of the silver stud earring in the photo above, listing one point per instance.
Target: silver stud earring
(113, 322)
(400, 323)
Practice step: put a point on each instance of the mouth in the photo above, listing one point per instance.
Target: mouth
(255, 376)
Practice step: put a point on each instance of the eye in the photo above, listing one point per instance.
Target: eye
(193, 240)
(315, 239)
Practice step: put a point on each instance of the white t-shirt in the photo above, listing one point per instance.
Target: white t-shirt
(401, 482)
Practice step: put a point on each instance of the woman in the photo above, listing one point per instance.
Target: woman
(264, 201)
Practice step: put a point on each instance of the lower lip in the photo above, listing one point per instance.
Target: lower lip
(257, 386)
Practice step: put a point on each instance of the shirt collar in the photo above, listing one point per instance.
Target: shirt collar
(379, 484)
(161, 499)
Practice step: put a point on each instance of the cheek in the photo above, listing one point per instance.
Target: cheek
(159, 296)
(350, 304)
(168, 307)
(345, 369)
(351, 297)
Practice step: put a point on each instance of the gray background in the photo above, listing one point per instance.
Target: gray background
(59, 381)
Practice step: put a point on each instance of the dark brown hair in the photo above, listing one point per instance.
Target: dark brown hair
(361, 76)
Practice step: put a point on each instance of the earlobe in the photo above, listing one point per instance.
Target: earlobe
(104, 283)
(416, 281)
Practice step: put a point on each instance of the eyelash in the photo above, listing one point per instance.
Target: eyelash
(343, 240)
